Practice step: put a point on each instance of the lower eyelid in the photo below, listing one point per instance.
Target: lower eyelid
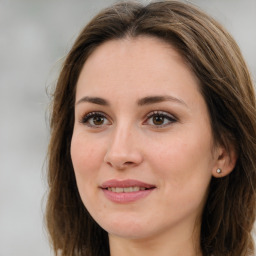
(85, 118)
(169, 119)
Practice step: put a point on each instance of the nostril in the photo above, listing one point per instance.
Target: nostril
(128, 163)
(109, 164)
(121, 166)
(120, 160)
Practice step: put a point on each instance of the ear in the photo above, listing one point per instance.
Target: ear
(225, 161)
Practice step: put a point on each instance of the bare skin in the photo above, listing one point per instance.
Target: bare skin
(139, 116)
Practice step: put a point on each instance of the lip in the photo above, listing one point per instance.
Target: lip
(125, 184)
(123, 197)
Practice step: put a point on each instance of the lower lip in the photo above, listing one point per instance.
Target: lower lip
(126, 197)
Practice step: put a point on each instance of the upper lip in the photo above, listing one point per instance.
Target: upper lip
(125, 183)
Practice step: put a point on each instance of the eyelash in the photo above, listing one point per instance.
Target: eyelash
(164, 115)
(86, 119)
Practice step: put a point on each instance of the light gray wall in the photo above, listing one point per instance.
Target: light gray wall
(34, 36)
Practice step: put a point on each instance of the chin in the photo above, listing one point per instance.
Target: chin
(129, 229)
(129, 234)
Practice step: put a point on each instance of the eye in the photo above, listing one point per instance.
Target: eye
(160, 119)
(95, 119)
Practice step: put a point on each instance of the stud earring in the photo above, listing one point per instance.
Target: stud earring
(219, 171)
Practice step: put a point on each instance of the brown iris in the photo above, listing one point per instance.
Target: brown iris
(158, 120)
(98, 120)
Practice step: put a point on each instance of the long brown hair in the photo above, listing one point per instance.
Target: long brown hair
(227, 88)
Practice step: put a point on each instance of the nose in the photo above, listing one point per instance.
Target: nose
(123, 150)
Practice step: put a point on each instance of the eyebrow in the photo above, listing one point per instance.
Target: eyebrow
(94, 100)
(157, 99)
(141, 102)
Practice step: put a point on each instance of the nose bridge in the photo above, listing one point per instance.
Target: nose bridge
(122, 150)
(121, 144)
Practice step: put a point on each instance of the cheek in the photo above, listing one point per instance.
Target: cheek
(184, 162)
(85, 155)
(185, 176)
(86, 159)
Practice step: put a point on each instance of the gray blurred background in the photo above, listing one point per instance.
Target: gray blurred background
(35, 35)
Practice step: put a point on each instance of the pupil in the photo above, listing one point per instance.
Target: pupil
(158, 120)
(98, 120)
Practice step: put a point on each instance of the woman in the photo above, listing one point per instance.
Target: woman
(153, 146)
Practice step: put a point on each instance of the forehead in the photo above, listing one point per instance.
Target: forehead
(142, 43)
(142, 64)
(143, 50)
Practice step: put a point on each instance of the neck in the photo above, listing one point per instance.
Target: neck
(174, 244)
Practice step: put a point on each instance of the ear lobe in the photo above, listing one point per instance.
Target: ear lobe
(225, 162)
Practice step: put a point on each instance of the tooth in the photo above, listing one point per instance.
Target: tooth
(127, 189)
(119, 190)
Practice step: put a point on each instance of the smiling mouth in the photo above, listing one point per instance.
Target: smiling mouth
(126, 186)
(124, 191)
(127, 189)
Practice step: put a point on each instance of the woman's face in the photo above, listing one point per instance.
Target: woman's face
(142, 146)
